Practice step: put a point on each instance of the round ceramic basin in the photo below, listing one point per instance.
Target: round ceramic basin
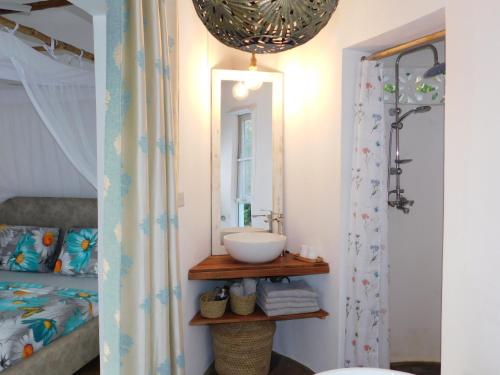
(232, 230)
(254, 247)
(363, 371)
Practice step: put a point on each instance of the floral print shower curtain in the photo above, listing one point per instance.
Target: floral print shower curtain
(141, 330)
(367, 329)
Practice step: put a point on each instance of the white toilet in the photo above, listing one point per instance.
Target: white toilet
(362, 371)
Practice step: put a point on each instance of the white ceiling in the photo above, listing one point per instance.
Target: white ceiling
(69, 24)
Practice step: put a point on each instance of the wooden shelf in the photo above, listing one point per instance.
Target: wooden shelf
(223, 267)
(257, 316)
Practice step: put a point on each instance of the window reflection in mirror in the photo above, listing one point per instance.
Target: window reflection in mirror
(244, 164)
(246, 186)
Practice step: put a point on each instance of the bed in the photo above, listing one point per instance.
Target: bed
(71, 301)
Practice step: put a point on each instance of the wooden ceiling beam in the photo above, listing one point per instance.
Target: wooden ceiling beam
(29, 31)
(41, 5)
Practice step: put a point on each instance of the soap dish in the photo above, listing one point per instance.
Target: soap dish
(308, 260)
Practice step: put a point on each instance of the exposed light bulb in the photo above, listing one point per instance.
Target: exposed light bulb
(253, 82)
(240, 91)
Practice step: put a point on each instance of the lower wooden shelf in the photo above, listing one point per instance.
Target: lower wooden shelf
(257, 316)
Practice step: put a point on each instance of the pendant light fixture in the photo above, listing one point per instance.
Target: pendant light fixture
(265, 26)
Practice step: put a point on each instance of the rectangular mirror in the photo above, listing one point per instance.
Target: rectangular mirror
(247, 153)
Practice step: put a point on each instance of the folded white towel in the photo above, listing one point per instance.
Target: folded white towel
(289, 311)
(293, 300)
(287, 305)
(295, 289)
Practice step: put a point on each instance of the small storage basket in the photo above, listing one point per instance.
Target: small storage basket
(243, 348)
(210, 308)
(243, 305)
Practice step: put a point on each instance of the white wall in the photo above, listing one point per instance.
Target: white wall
(316, 179)
(194, 179)
(416, 239)
(471, 302)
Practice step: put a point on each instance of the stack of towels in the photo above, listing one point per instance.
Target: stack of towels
(296, 297)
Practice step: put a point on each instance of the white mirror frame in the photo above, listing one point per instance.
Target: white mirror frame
(276, 79)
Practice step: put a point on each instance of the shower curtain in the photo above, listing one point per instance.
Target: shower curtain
(140, 299)
(367, 329)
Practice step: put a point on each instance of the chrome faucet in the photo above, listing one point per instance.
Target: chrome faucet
(270, 218)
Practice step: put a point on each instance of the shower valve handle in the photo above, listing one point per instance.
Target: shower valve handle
(396, 171)
(403, 161)
(394, 111)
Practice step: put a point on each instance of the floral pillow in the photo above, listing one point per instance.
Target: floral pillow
(28, 249)
(79, 253)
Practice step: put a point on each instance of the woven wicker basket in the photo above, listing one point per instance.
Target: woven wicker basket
(243, 348)
(210, 308)
(243, 305)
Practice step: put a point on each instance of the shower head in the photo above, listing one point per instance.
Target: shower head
(421, 109)
(436, 70)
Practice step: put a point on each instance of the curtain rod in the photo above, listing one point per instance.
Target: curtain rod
(45, 39)
(431, 38)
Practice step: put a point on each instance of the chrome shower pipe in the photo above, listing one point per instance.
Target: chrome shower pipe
(397, 111)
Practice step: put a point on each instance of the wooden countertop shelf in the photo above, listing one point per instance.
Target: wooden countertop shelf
(257, 316)
(223, 267)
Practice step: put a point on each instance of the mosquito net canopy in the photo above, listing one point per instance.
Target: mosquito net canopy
(48, 132)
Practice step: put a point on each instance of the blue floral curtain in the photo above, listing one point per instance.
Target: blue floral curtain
(367, 328)
(140, 303)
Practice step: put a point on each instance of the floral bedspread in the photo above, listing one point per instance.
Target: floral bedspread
(34, 315)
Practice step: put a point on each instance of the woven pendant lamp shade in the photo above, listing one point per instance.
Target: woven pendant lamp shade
(265, 26)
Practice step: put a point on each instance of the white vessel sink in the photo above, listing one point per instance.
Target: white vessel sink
(231, 230)
(254, 247)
